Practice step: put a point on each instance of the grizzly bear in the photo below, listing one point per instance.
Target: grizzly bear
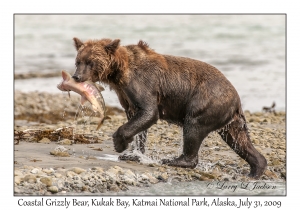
(180, 90)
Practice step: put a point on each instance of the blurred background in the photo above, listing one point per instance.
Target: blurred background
(248, 49)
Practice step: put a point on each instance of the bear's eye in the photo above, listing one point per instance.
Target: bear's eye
(90, 63)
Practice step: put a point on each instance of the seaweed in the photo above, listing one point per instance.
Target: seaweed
(37, 135)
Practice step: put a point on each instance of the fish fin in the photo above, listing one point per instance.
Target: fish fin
(83, 100)
(65, 75)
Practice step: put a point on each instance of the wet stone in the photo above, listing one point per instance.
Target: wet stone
(47, 181)
(45, 141)
(70, 174)
(114, 188)
(65, 142)
(275, 163)
(18, 173)
(163, 177)
(35, 171)
(53, 189)
(18, 179)
(57, 175)
(48, 171)
(30, 178)
(78, 170)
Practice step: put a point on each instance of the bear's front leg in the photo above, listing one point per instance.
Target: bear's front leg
(141, 121)
(120, 141)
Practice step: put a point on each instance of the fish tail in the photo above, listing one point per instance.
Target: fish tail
(99, 125)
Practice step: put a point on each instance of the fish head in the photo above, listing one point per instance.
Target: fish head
(66, 79)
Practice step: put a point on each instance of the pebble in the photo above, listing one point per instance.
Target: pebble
(271, 174)
(98, 169)
(30, 178)
(114, 188)
(18, 173)
(57, 175)
(70, 174)
(35, 171)
(275, 163)
(129, 181)
(45, 141)
(47, 181)
(65, 142)
(164, 177)
(53, 189)
(113, 173)
(129, 174)
(18, 179)
(48, 171)
(59, 154)
(78, 170)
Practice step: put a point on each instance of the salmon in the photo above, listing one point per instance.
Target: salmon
(88, 90)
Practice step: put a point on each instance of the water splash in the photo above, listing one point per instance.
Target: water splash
(114, 158)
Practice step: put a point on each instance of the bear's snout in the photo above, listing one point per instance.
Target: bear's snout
(76, 78)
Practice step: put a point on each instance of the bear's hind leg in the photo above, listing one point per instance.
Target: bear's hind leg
(236, 136)
(193, 136)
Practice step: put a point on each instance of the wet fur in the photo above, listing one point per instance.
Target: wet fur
(184, 91)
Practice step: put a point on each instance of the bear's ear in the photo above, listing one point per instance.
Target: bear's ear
(77, 43)
(112, 47)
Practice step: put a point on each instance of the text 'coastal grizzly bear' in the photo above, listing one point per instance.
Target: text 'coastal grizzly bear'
(183, 91)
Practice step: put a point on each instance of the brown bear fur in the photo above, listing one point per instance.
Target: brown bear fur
(184, 91)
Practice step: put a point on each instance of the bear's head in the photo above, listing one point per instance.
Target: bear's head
(98, 60)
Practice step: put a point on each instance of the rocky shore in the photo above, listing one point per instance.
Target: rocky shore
(58, 151)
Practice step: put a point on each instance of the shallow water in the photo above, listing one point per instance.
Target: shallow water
(248, 49)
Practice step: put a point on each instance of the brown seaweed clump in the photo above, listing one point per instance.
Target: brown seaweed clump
(37, 135)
